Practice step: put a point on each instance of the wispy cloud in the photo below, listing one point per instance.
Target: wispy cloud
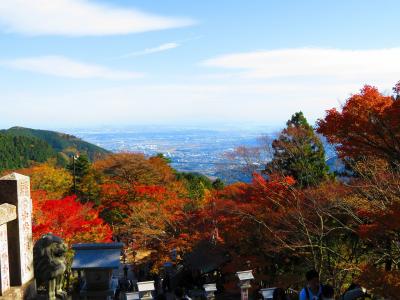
(65, 67)
(79, 18)
(338, 63)
(160, 48)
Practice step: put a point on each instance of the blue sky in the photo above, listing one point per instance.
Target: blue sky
(89, 63)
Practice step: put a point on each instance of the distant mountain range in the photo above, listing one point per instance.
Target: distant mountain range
(20, 146)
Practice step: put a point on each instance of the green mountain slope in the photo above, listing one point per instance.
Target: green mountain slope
(64, 144)
(19, 151)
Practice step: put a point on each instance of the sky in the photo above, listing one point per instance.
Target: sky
(92, 63)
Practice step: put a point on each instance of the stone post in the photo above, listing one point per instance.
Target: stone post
(245, 277)
(210, 290)
(8, 213)
(15, 190)
(244, 293)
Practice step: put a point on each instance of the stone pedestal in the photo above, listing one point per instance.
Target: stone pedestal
(244, 292)
(24, 292)
(15, 190)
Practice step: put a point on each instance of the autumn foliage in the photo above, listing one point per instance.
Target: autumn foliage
(348, 230)
(56, 181)
(151, 208)
(367, 125)
(294, 229)
(381, 282)
(69, 219)
(291, 217)
(367, 133)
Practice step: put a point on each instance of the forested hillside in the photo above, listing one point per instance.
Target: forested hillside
(20, 151)
(61, 142)
(20, 146)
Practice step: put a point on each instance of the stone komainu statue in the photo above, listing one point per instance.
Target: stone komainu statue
(49, 264)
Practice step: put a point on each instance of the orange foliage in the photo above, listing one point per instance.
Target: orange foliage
(150, 218)
(367, 125)
(290, 227)
(380, 282)
(248, 212)
(69, 219)
(135, 168)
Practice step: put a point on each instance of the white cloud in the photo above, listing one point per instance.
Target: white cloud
(337, 63)
(160, 48)
(79, 18)
(250, 92)
(65, 67)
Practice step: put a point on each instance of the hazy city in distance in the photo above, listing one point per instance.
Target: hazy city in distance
(191, 149)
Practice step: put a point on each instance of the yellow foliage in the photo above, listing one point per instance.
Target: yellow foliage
(55, 181)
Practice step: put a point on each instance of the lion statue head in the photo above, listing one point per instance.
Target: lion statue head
(49, 258)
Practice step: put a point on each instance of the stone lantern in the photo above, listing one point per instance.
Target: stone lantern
(210, 290)
(97, 262)
(267, 293)
(245, 278)
(132, 296)
(145, 289)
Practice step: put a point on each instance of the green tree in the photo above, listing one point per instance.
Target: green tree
(196, 185)
(88, 188)
(79, 166)
(298, 152)
(218, 184)
(163, 157)
(84, 185)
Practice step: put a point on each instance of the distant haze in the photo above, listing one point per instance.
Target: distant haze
(191, 149)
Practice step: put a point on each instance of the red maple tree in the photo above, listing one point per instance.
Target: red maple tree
(368, 124)
(69, 219)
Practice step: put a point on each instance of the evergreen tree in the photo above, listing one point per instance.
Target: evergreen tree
(163, 157)
(218, 184)
(80, 169)
(298, 152)
(196, 185)
(79, 166)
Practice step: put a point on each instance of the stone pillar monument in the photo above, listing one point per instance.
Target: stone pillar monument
(15, 190)
(8, 213)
